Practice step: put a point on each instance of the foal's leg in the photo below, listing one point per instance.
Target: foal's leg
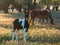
(13, 35)
(17, 35)
(25, 34)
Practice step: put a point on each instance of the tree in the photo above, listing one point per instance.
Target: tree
(4, 4)
(26, 4)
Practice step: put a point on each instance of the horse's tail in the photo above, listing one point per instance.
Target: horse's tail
(51, 19)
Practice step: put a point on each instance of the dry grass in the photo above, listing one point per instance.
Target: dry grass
(35, 35)
(40, 37)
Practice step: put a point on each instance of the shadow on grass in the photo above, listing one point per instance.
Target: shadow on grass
(34, 39)
(5, 38)
(43, 39)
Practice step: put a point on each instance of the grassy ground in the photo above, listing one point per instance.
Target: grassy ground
(36, 35)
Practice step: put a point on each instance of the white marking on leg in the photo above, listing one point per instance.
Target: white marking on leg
(25, 34)
(13, 36)
(16, 35)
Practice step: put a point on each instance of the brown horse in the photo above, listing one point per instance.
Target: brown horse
(42, 14)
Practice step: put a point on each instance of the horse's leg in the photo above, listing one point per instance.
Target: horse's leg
(51, 20)
(13, 35)
(26, 29)
(42, 21)
(25, 34)
(17, 35)
(46, 21)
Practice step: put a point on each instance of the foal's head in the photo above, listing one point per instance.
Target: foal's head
(27, 15)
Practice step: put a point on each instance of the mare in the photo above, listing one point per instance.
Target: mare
(21, 24)
(42, 14)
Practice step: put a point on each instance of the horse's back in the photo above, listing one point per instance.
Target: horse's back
(17, 24)
(40, 14)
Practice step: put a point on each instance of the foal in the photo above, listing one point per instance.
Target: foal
(21, 24)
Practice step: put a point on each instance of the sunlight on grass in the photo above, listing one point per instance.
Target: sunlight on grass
(36, 35)
(33, 37)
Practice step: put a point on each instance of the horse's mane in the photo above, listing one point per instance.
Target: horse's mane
(39, 10)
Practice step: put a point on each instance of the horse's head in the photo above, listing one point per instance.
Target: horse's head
(26, 15)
